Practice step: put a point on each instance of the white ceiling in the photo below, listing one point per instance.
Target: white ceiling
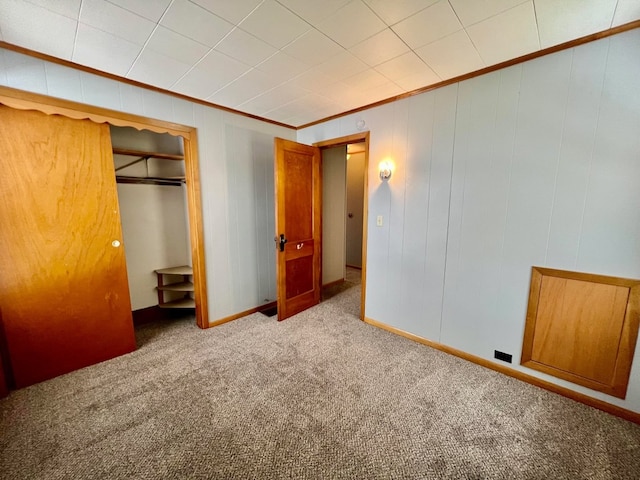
(298, 61)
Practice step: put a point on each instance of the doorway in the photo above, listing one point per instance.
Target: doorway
(345, 188)
(150, 177)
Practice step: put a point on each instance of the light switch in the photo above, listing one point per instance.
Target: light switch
(379, 221)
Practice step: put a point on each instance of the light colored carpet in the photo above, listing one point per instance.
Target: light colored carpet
(321, 395)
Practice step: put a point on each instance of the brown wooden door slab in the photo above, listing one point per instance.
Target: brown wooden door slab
(63, 282)
(298, 221)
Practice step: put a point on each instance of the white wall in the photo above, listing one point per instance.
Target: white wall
(536, 164)
(334, 201)
(220, 218)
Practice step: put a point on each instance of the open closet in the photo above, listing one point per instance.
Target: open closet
(65, 298)
(150, 176)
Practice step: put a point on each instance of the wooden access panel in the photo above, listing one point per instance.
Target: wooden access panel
(582, 328)
(63, 282)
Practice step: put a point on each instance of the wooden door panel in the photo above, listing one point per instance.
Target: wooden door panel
(298, 217)
(63, 285)
(582, 328)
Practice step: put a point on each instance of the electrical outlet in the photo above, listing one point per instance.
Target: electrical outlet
(505, 357)
(379, 221)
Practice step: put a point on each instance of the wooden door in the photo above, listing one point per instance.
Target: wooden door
(298, 226)
(63, 281)
(4, 366)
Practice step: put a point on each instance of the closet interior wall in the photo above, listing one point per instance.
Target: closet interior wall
(154, 214)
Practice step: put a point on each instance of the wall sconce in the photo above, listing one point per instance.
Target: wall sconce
(386, 169)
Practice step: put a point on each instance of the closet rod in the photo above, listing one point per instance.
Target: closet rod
(150, 180)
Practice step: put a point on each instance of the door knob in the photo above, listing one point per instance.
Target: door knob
(115, 243)
(281, 241)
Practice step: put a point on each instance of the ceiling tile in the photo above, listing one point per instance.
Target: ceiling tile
(342, 66)
(345, 95)
(274, 98)
(222, 68)
(381, 47)
(68, 8)
(366, 80)
(405, 66)
(560, 22)
(103, 51)
(322, 47)
(518, 35)
(451, 56)
(248, 86)
(245, 47)
(231, 10)
(156, 69)
(196, 23)
(197, 83)
(419, 80)
(116, 21)
(312, 80)
(381, 92)
(176, 46)
(478, 10)
(431, 24)
(314, 11)
(274, 24)
(283, 67)
(37, 28)
(351, 24)
(626, 11)
(394, 11)
(151, 10)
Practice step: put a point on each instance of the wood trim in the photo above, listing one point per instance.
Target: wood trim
(196, 228)
(530, 379)
(524, 58)
(117, 78)
(22, 100)
(334, 283)
(362, 137)
(54, 106)
(146, 315)
(235, 316)
(346, 140)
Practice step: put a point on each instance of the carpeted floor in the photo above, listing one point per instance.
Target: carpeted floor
(319, 396)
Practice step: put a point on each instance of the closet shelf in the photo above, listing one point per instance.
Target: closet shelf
(141, 153)
(182, 270)
(182, 303)
(178, 287)
(185, 287)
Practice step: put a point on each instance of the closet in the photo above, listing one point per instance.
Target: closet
(150, 175)
(65, 298)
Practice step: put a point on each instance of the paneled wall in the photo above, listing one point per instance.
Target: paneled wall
(536, 164)
(229, 171)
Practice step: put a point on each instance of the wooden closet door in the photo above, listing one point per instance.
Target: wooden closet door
(63, 283)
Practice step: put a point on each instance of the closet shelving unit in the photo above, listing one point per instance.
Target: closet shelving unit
(144, 157)
(185, 286)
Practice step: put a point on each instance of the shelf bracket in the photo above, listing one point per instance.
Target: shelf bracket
(134, 162)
